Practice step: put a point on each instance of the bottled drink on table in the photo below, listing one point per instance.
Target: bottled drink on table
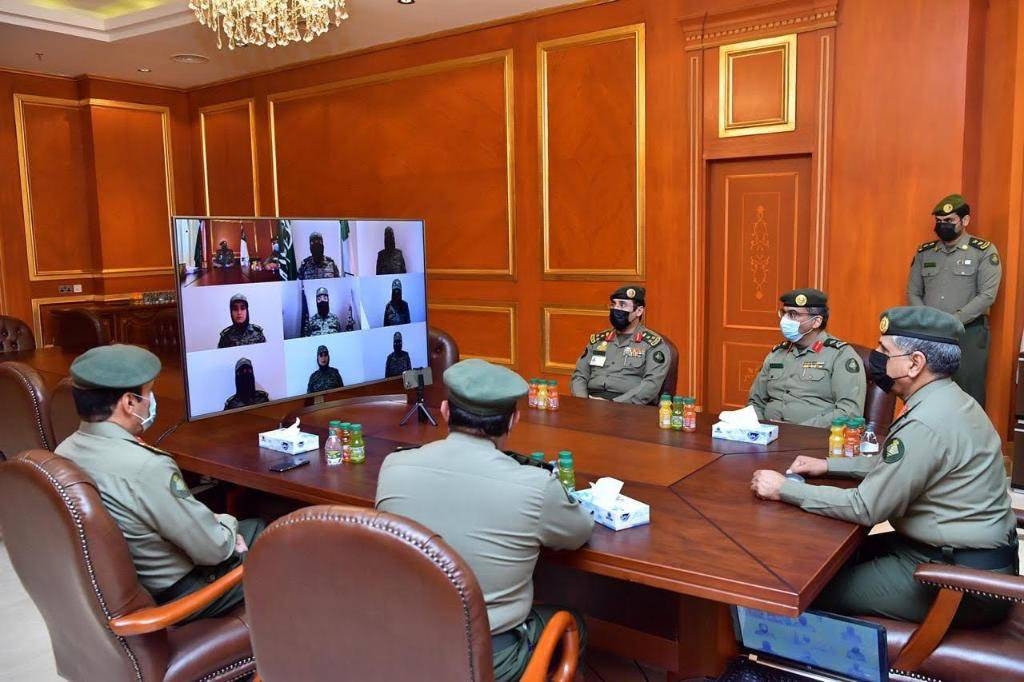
(689, 414)
(566, 470)
(665, 411)
(332, 448)
(677, 413)
(836, 437)
(346, 441)
(851, 439)
(869, 442)
(537, 457)
(531, 399)
(542, 395)
(358, 447)
(552, 395)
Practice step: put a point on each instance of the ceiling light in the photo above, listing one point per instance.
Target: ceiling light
(143, 69)
(268, 22)
(189, 58)
(406, 2)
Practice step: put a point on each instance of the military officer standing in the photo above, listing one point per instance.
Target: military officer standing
(317, 265)
(390, 260)
(496, 513)
(396, 311)
(627, 363)
(324, 322)
(246, 392)
(176, 543)
(224, 257)
(812, 377)
(325, 377)
(241, 332)
(959, 274)
(399, 360)
(940, 482)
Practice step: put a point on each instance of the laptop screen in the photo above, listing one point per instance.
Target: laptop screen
(829, 643)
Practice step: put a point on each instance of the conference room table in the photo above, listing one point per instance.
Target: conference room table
(710, 543)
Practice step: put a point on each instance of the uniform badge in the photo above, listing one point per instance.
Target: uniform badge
(775, 365)
(602, 347)
(893, 451)
(659, 356)
(178, 487)
(800, 299)
(852, 366)
(631, 293)
(883, 326)
(947, 208)
(994, 259)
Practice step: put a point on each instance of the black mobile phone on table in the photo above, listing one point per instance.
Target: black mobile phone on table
(287, 463)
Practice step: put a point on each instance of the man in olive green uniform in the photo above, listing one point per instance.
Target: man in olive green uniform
(177, 544)
(242, 332)
(224, 257)
(959, 274)
(627, 363)
(940, 482)
(812, 377)
(324, 321)
(317, 265)
(496, 513)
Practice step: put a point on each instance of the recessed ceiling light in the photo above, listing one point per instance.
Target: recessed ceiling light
(143, 69)
(190, 58)
(406, 2)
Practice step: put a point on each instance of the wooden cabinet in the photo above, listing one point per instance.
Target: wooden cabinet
(152, 325)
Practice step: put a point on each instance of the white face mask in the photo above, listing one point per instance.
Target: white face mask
(148, 420)
(790, 329)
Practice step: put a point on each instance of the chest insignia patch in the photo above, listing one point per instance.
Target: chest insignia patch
(893, 451)
(775, 365)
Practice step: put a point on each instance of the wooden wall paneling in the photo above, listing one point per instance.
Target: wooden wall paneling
(229, 158)
(592, 121)
(565, 331)
(432, 142)
(486, 331)
(757, 87)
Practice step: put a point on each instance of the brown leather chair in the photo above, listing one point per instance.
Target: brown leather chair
(160, 334)
(64, 417)
(80, 329)
(672, 357)
(15, 335)
(103, 625)
(879, 406)
(25, 419)
(349, 593)
(442, 353)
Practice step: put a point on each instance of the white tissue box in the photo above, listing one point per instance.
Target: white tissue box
(625, 512)
(289, 440)
(762, 433)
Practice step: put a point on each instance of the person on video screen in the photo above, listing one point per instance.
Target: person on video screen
(246, 392)
(396, 311)
(241, 332)
(224, 257)
(317, 265)
(272, 262)
(350, 323)
(325, 377)
(390, 260)
(324, 322)
(398, 361)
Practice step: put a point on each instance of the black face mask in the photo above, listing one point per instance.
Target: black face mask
(317, 249)
(397, 345)
(946, 230)
(322, 308)
(876, 370)
(245, 382)
(396, 295)
(619, 319)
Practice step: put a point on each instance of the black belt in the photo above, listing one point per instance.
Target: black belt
(980, 319)
(982, 559)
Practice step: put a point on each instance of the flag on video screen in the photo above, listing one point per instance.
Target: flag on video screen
(243, 249)
(198, 255)
(346, 269)
(304, 322)
(286, 255)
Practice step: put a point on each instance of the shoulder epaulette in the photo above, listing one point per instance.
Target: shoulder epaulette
(151, 448)
(834, 343)
(784, 344)
(927, 245)
(599, 336)
(651, 338)
(980, 244)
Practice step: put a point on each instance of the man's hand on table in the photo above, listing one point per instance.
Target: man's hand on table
(809, 466)
(766, 484)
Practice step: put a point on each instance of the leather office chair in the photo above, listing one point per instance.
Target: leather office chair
(103, 625)
(379, 597)
(158, 333)
(442, 353)
(879, 406)
(64, 417)
(15, 335)
(25, 419)
(79, 329)
(933, 651)
(672, 356)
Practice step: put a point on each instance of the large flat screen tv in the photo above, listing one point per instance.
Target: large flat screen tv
(275, 309)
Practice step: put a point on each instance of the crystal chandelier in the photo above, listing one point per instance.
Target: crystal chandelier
(268, 22)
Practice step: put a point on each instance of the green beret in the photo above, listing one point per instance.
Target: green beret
(322, 291)
(629, 292)
(242, 362)
(921, 322)
(954, 203)
(805, 298)
(240, 297)
(115, 366)
(321, 350)
(484, 389)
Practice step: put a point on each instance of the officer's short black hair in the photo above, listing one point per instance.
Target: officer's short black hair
(97, 404)
(820, 311)
(494, 426)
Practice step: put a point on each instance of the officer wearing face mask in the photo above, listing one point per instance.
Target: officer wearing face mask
(396, 311)
(246, 392)
(939, 481)
(241, 332)
(324, 322)
(810, 378)
(176, 543)
(959, 274)
(224, 257)
(399, 360)
(627, 363)
(317, 265)
(390, 260)
(325, 377)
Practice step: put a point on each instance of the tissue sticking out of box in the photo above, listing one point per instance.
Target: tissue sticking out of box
(742, 425)
(606, 491)
(294, 428)
(745, 418)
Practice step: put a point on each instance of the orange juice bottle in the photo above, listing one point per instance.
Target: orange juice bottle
(552, 395)
(542, 395)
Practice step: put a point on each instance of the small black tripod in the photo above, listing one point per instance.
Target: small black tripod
(420, 407)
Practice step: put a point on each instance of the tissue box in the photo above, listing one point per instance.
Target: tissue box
(762, 433)
(289, 440)
(624, 513)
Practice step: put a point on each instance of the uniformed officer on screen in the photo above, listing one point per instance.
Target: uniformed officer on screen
(317, 265)
(176, 543)
(399, 360)
(812, 377)
(959, 274)
(224, 257)
(246, 392)
(325, 377)
(496, 513)
(390, 260)
(350, 322)
(241, 332)
(939, 481)
(324, 322)
(396, 311)
(627, 363)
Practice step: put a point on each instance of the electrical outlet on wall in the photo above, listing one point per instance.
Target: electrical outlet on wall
(78, 288)
(65, 289)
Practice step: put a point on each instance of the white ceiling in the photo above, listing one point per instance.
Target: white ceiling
(114, 38)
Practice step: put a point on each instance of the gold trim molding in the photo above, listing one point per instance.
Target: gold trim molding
(547, 365)
(509, 309)
(249, 103)
(505, 58)
(727, 55)
(791, 16)
(636, 33)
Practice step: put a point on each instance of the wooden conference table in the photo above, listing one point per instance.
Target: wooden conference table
(710, 542)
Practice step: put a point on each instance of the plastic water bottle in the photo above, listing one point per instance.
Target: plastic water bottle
(869, 444)
(566, 470)
(332, 448)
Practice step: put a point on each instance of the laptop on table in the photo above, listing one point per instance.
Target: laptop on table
(813, 646)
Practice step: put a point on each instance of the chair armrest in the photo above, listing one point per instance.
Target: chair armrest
(160, 617)
(561, 628)
(972, 581)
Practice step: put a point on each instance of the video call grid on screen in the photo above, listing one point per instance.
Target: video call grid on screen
(252, 328)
